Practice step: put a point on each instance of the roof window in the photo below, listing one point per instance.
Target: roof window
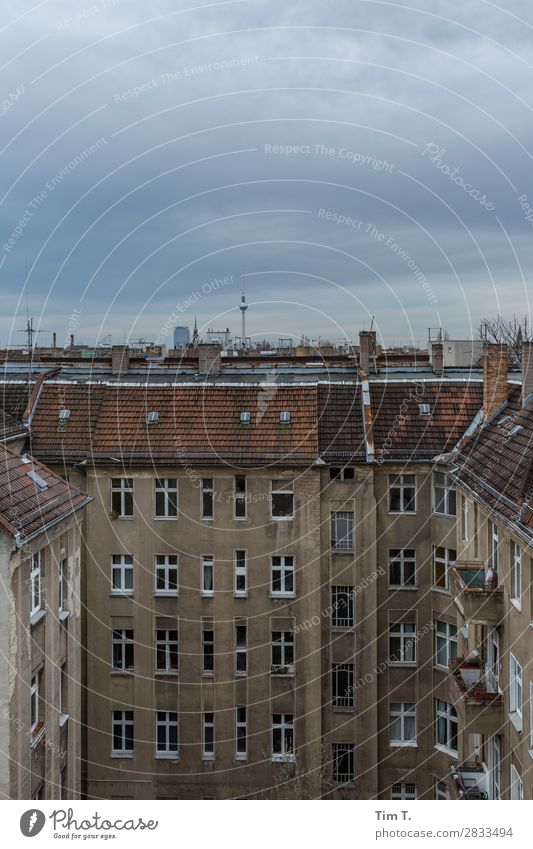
(37, 479)
(64, 415)
(425, 409)
(514, 430)
(245, 417)
(152, 417)
(285, 417)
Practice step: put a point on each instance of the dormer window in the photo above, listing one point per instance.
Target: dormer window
(64, 415)
(245, 417)
(425, 409)
(285, 417)
(152, 417)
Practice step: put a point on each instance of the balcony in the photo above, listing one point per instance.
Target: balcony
(470, 781)
(475, 600)
(478, 703)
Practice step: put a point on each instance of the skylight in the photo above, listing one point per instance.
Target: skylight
(425, 409)
(285, 417)
(245, 417)
(514, 430)
(153, 417)
(503, 420)
(64, 415)
(37, 479)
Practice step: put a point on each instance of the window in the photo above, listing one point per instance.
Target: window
(62, 584)
(444, 497)
(282, 576)
(402, 642)
(282, 737)
(531, 716)
(342, 607)
(515, 692)
(208, 498)
(36, 584)
(122, 497)
(402, 567)
(464, 519)
(63, 694)
(208, 576)
(345, 474)
(35, 703)
(516, 573)
(282, 504)
(122, 574)
(442, 558)
(343, 763)
(122, 732)
(166, 650)
(446, 723)
(241, 733)
(240, 573)
(166, 498)
(166, 734)
(445, 643)
(442, 791)
(208, 736)
(493, 545)
(342, 689)
(402, 724)
(122, 650)
(282, 652)
(240, 497)
(342, 530)
(402, 493)
(517, 786)
(403, 791)
(166, 574)
(240, 650)
(208, 651)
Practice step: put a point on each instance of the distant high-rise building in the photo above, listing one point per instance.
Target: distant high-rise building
(182, 337)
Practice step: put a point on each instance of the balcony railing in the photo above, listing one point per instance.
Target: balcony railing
(477, 598)
(470, 781)
(478, 703)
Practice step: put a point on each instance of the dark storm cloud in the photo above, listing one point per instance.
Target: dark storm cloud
(360, 159)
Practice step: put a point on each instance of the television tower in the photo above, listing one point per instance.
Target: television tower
(243, 307)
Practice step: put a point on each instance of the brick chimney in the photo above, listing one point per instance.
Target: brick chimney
(527, 371)
(120, 358)
(495, 367)
(437, 357)
(209, 359)
(367, 350)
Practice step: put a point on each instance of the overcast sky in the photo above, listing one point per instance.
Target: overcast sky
(352, 159)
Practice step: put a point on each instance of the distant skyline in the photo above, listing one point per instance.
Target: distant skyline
(350, 163)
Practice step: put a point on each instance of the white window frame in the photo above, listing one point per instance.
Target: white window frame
(338, 751)
(442, 483)
(206, 560)
(516, 785)
(168, 721)
(342, 615)
(405, 633)
(124, 488)
(445, 711)
(284, 641)
(241, 650)
(515, 692)
(344, 701)
(287, 574)
(166, 644)
(35, 701)
(404, 559)
(241, 723)
(121, 719)
(445, 642)
(164, 566)
(120, 639)
(516, 575)
(207, 488)
(399, 482)
(289, 517)
(284, 727)
(494, 545)
(445, 560)
(340, 541)
(208, 749)
(400, 714)
(36, 584)
(164, 487)
(404, 791)
(239, 572)
(122, 565)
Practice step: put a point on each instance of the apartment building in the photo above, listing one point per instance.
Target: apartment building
(40, 618)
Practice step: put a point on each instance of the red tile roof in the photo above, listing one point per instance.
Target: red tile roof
(25, 507)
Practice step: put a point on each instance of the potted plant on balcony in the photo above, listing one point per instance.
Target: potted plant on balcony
(470, 670)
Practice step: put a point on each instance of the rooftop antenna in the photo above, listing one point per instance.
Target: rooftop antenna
(243, 307)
